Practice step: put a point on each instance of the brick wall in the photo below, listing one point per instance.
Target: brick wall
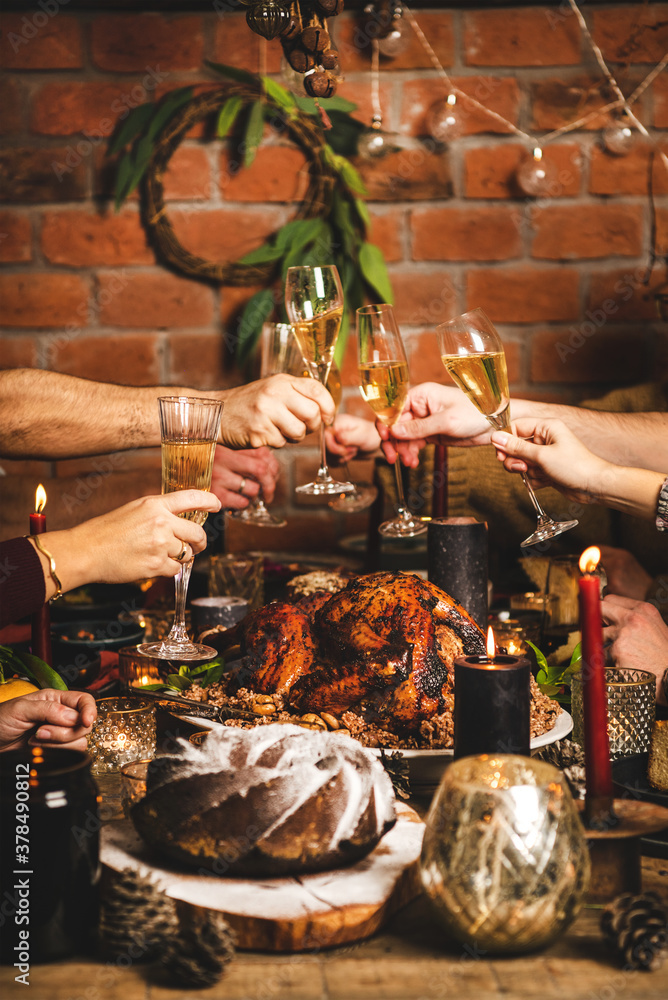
(81, 292)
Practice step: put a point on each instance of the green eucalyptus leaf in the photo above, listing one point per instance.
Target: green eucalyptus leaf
(171, 103)
(344, 135)
(374, 271)
(228, 115)
(308, 105)
(231, 72)
(349, 175)
(278, 94)
(123, 176)
(258, 309)
(40, 673)
(139, 161)
(299, 233)
(178, 682)
(362, 211)
(254, 129)
(130, 128)
(262, 255)
(214, 674)
(540, 656)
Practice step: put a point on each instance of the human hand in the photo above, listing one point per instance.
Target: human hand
(626, 577)
(553, 456)
(349, 435)
(60, 718)
(139, 540)
(433, 413)
(275, 411)
(639, 637)
(240, 474)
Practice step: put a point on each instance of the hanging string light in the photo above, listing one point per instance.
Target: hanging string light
(373, 143)
(443, 120)
(536, 177)
(395, 39)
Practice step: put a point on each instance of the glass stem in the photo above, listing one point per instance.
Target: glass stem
(323, 471)
(178, 629)
(401, 499)
(542, 516)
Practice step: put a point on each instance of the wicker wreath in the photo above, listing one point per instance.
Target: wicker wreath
(304, 131)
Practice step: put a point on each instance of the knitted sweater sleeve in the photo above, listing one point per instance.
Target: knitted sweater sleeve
(22, 588)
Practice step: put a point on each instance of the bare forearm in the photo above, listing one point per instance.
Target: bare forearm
(633, 491)
(637, 440)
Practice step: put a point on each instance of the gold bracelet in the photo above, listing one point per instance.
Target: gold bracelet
(52, 567)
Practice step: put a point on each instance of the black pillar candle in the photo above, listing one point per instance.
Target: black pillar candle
(492, 705)
(457, 562)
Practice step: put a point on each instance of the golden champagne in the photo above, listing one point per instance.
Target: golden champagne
(317, 338)
(385, 387)
(484, 379)
(187, 465)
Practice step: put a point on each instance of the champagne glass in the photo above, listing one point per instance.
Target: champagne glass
(473, 355)
(275, 344)
(314, 304)
(188, 431)
(364, 494)
(384, 385)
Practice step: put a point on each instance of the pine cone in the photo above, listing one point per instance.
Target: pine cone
(204, 946)
(637, 927)
(136, 919)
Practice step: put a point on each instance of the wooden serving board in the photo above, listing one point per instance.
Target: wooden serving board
(290, 914)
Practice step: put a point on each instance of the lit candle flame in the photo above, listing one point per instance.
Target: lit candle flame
(40, 499)
(491, 644)
(538, 153)
(590, 559)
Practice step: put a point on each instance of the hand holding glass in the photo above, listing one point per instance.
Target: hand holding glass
(383, 369)
(473, 355)
(189, 429)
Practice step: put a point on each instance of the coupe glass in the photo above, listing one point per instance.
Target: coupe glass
(274, 345)
(314, 304)
(383, 371)
(473, 355)
(188, 430)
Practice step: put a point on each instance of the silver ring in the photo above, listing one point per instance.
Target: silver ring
(241, 488)
(182, 554)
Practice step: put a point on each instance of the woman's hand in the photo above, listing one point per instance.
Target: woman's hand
(239, 475)
(47, 718)
(350, 435)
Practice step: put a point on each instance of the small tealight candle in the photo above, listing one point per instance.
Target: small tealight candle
(492, 703)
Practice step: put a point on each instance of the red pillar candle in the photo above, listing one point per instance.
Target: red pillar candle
(598, 768)
(41, 620)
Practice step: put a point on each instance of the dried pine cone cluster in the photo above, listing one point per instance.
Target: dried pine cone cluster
(637, 927)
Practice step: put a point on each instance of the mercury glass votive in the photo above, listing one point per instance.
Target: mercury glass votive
(631, 710)
(238, 574)
(123, 731)
(504, 858)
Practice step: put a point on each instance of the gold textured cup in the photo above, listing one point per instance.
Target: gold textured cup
(631, 708)
(238, 574)
(124, 730)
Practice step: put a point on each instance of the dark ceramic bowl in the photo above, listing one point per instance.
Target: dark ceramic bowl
(98, 602)
(96, 636)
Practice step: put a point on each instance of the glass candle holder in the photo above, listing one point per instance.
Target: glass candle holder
(238, 574)
(504, 858)
(123, 731)
(133, 783)
(631, 710)
(136, 670)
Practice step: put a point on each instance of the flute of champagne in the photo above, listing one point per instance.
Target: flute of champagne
(472, 353)
(189, 427)
(383, 371)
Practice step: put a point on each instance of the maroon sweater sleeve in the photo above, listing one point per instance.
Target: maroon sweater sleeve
(22, 587)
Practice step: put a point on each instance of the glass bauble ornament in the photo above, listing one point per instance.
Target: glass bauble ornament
(504, 858)
(535, 177)
(371, 144)
(267, 18)
(394, 42)
(618, 139)
(443, 120)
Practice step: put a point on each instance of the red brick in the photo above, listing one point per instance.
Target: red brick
(662, 231)
(34, 175)
(561, 100)
(278, 173)
(466, 233)
(11, 106)
(409, 175)
(225, 234)
(360, 94)
(353, 41)
(387, 232)
(585, 353)
(105, 169)
(18, 352)
(620, 175)
(636, 33)
(38, 40)
(570, 232)
(81, 239)
(125, 359)
(491, 171)
(188, 176)
(236, 45)
(201, 360)
(660, 94)
(524, 294)
(43, 299)
(151, 300)
(132, 43)
(15, 237)
(622, 294)
(423, 298)
(500, 94)
(233, 301)
(520, 38)
(92, 107)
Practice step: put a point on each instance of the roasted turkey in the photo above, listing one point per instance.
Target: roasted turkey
(384, 646)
